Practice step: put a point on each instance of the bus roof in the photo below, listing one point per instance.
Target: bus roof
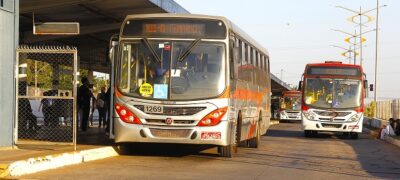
(231, 26)
(333, 64)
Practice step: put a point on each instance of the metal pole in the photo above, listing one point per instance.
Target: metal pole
(74, 101)
(36, 76)
(355, 42)
(361, 42)
(376, 56)
(350, 52)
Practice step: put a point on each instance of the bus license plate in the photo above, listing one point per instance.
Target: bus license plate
(153, 109)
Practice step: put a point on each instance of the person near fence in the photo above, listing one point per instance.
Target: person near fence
(46, 108)
(101, 107)
(108, 104)
(388, 129)
(92, 106)
(69, 110)
(397, 127)
(84, 98)
(59, 109)
(27, 122)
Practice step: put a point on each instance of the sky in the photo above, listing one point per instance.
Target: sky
(297, 32)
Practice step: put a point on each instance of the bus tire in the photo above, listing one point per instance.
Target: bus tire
(239, 132)
(226, 151)
(123, 148)
(307, 133)
(354, 135)
(255, 141)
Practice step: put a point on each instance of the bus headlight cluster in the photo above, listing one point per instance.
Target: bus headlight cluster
(309, 115)
(356, 117)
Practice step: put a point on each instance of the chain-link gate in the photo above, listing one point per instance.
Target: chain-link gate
(46, 97)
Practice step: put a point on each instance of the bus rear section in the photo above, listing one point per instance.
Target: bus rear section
(333, 98)
(290, 106)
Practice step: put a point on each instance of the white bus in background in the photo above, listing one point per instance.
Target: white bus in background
(290, 106)
(189, 79)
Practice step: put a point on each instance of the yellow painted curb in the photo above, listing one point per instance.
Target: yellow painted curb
(34, 165)
(273, 123)
(3, 170)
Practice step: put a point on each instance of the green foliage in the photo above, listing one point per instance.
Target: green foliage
(370, 110)
(44, 74)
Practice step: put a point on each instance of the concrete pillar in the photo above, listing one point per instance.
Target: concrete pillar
(9, 20)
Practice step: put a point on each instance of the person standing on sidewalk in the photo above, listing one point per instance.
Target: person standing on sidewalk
(84, 98)
(101, 107)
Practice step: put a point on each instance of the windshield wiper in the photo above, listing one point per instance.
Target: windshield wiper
(153, 52)
(190, 48)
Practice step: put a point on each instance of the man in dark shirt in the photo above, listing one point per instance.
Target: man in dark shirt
(84, 98)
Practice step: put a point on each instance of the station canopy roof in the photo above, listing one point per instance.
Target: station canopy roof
(98, 19)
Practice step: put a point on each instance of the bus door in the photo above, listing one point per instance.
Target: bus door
(112, 57)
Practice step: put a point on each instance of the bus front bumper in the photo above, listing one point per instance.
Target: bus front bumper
(332, 126)
(212, 135)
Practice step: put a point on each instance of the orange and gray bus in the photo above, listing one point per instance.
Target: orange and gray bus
(189, 79)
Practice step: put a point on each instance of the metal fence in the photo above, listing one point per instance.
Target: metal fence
(388, 109)
(47, 80)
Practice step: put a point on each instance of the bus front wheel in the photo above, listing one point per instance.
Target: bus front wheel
(226, 151)
(255, 141)
(307, 133)
(354, 135)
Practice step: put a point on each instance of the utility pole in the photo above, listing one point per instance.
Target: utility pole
(376, 57)
(361, 39)
(355, 43)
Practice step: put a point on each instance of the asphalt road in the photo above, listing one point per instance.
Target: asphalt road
(284, 154)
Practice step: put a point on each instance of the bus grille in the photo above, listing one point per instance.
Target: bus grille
(170, 133)
(330, 113)
(330, 119)
(175, 111)
(331, 125)
(162, 121)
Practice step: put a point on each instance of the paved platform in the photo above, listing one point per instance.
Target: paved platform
(29, 157)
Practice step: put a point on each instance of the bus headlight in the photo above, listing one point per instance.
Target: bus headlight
(356, 117)
(309, 115)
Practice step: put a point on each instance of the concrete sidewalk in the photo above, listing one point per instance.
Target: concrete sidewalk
(30, 157)
(374, 133)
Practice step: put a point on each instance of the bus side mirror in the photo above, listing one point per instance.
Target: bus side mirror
(371, 87)
(300, 87)
(365, 83)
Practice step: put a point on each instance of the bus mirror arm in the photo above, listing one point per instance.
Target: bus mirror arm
(300, 85)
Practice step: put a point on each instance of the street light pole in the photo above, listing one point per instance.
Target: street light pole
(376, 56)
(361, 40)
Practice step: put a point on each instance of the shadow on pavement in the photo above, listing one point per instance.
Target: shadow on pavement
(167, 150)
(331, 152)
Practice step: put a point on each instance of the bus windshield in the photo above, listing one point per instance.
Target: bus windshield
(153, 70)
(290, 103)
(333, 93)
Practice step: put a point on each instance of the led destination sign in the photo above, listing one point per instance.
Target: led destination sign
(344, 71)
(175, 28)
